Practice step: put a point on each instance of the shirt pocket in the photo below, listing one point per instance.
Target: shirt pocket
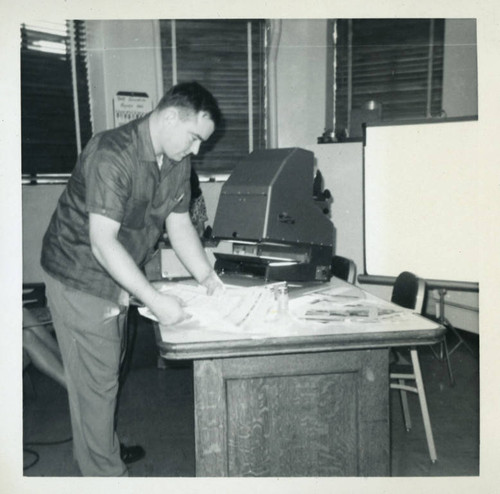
(135, 213)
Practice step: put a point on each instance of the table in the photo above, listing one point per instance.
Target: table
(306, 403)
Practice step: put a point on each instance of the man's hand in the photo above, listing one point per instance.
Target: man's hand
(213, 284)
(168, 309)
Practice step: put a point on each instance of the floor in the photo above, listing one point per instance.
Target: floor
(156, 411)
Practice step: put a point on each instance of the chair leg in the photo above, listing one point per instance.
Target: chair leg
(444, 355)
(460, 340)
(440, 354)
(448, 362)
(404, 404)
(423, 404)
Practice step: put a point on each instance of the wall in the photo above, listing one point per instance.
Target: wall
(460, 68)
(39, 202)
(342, 168)
(301, 84)
(124, 55)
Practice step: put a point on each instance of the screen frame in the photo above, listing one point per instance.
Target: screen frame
(381, 279)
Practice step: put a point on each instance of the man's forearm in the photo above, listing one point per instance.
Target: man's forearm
(119, 264)
(187, 246)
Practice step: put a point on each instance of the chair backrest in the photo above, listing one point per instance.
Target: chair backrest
(344, 268)
(409, 291)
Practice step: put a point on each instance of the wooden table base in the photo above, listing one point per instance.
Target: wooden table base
(310, 414)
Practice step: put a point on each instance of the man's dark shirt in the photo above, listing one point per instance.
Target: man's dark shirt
(117, 176)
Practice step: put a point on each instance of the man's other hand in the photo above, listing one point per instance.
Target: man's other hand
(168, 309)
(213, 284)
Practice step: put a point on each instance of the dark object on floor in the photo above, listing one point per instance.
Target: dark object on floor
(131, 454)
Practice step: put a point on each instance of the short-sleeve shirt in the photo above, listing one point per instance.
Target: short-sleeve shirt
(117, 176)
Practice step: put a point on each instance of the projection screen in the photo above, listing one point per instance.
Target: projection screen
(421, 200)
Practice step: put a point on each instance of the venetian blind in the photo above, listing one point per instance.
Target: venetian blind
(53, 75)
(216, 54)
(397, 63)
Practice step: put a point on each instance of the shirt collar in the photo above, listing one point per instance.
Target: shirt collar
(145, 146)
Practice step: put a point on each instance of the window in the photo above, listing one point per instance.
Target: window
(54, 97)
(387, 69)
(227, 57)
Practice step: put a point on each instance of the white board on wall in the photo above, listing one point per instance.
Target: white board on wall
(422, 200)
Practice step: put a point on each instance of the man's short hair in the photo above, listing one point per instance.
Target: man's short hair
(192, 96)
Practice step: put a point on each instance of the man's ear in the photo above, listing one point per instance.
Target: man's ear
(169, 116)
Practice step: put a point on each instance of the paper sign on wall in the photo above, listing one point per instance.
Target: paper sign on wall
(129, 106)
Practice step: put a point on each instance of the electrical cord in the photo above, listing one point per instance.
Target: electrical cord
(40, 443)
(34, 462)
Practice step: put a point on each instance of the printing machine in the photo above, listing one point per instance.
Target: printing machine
(267, 222)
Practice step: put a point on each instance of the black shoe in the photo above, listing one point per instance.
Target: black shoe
(131, 454)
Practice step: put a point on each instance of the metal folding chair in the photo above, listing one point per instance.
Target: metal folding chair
(409, 292)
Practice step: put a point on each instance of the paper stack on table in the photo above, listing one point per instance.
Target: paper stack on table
(234, 309)
(342, 304)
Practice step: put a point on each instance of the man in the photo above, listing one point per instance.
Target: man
(127, 184)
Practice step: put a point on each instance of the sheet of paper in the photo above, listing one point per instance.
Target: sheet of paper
(234, 309)
(342, 304)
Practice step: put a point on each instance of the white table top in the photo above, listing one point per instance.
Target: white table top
(349, 316)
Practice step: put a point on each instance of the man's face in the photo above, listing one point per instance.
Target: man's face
(182, 133)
